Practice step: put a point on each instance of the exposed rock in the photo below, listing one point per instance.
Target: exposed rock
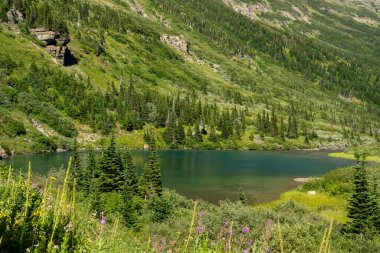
(59, 52)
(176, 42)
(56, 45)
(14, 16)
(3, 153)
(249, 10)
(42, 129)
(136, 7)
(45, 35)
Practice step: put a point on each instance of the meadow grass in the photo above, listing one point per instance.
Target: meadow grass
(370, 158)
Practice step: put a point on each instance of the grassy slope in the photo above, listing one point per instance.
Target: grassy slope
(131, 53)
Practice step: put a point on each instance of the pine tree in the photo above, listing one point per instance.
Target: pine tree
(111, 168)
(130, 180)
(150, 180)
(242, 197)
(87, 183)
(197, 134)
(376, 202)
(212, 136)
(360, 208)
(76, 169)
(129, 190)
(180, 133)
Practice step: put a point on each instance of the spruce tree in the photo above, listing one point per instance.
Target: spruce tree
(180, 133)
(130, 180)
(76, 168)
(111, 168)
(376, 202)
(212, 136)
(197, 134)
(130, 190)
(242, 197)
(360, 208)
(150, 180)
(91, 172)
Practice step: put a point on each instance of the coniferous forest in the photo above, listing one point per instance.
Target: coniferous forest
(102, 78)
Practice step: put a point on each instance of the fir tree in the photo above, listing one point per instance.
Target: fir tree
(130, 181)
(180, 133)
(130, 190)
(111, 168)
(87, 183)
(197, 134)
(212, 136)
(360, 208)
(150, 180)
(242, 197)
(76, 169)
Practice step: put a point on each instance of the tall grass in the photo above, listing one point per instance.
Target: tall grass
(55, 219)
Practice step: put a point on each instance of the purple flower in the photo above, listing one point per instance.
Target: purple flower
(103, 221)
(245, 230)
(201, 213)
(201, 229)
(267, 250)
(244, 251)
(270, 222)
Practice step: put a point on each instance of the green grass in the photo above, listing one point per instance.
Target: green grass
(370, 158)
(329, 207)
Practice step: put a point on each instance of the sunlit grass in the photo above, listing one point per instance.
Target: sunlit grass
(321, 203)
(370, 158)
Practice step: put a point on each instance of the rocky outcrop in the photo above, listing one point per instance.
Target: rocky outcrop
(177, 42)
(56, 45)
(3, 153)
(14, 16)
(137, 7)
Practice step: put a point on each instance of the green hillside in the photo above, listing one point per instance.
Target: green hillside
(190, 74)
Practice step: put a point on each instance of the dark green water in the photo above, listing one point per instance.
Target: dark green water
(217, 175)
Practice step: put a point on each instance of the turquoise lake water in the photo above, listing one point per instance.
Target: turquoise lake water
(217, 175)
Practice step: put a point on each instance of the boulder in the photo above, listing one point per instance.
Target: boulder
(3, 153)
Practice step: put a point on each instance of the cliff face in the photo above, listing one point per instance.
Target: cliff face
(56, 45)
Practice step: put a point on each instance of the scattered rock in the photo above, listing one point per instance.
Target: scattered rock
(137, 7)
(14, 16)
(56, 45)
(42, 130)
(178, 42)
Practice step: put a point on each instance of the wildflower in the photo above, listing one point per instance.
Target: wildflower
(245, 230)
(103, 221)
(270, 222)
(201, 229)
(201, 213)
(267, 250)
(68, 227)
(28, 250)
(56, 247)
(244, 251)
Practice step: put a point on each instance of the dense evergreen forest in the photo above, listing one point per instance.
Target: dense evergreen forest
(164, 98)
(186, 74)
